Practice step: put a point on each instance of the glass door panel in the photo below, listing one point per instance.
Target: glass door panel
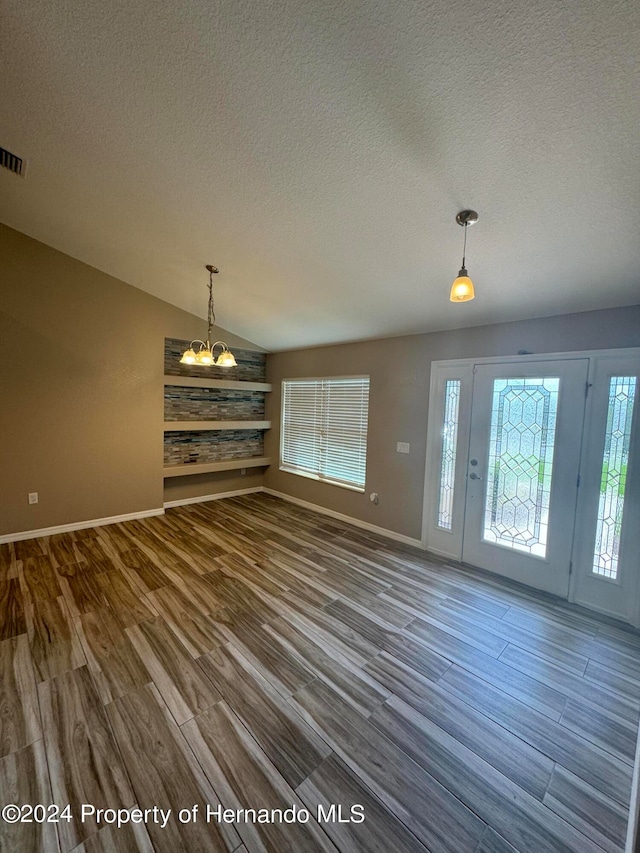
(449, 453)
(607, 540)
(524, 456)
(613, 476)
(519, 469)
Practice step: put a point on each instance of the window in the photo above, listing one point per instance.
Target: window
(324, 429)
(448, 457)
(613, 479)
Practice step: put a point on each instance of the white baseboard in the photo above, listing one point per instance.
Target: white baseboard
(382, 531)
(100, 522)
(605, 612)
(439, 553)
(205, 498)
(78, 525)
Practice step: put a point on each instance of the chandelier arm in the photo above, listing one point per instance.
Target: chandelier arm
(203, 345)
(225, 348)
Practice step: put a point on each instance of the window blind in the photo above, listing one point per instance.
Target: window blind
(324, 429)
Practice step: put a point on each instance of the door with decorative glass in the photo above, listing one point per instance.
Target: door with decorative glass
(523, 465)
(533, 468)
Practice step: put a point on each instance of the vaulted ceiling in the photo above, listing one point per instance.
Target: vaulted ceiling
(317, 151)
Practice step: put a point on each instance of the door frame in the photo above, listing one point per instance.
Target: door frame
(448, 544)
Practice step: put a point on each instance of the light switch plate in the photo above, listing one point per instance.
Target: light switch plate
(403, 447)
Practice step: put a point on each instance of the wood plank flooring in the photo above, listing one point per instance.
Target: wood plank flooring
(250, 654)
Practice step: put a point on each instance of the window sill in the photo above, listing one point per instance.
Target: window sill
(329, 482)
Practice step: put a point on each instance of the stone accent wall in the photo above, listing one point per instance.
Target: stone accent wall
(218, 446)
(212, 404)
(251, 365)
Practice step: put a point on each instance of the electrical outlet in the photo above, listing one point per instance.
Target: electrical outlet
(243, 471)
(403, 447)
(33, 497)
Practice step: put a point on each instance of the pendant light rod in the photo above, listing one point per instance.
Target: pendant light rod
(464, 245)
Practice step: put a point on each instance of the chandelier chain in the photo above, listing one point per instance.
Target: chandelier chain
(211, 314)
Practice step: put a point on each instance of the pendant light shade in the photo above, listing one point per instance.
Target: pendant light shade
(205, 355)
(462, 289)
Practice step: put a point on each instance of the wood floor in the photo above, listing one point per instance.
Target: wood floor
(252, 654)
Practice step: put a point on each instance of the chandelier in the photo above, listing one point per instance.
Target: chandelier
(205, 355)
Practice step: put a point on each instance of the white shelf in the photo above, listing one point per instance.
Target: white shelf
(204, 426)
(187, 468)
(229, 384)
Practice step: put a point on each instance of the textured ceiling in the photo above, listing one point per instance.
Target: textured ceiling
(317, 151)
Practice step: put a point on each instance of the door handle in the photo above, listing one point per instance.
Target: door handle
(474, 476)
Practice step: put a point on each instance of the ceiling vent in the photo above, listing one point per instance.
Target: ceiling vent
(12, 162)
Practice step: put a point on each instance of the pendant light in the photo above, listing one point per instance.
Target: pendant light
(462, 288)
(205, 355)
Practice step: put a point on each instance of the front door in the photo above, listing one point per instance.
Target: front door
(523, 465)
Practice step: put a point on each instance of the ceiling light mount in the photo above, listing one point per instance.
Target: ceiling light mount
(462, 288)
(466, 217)
(205, 357)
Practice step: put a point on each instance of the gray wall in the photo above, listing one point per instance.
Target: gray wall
(400, 372)
(81, 393)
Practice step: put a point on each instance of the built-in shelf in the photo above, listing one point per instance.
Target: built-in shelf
(188, 468)
(204, 426)
(229, 384)
(189, 442)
